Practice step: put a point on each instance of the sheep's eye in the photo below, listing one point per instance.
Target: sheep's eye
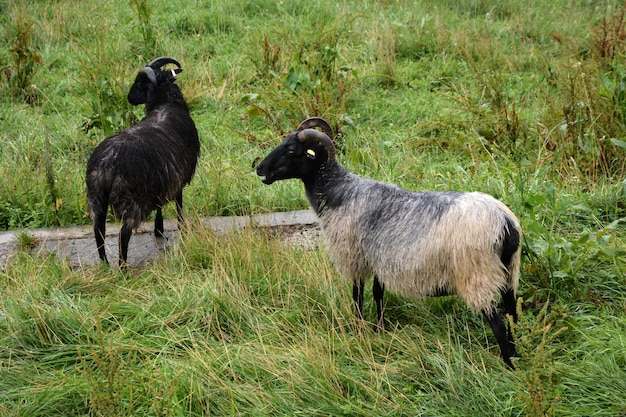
(291, 152)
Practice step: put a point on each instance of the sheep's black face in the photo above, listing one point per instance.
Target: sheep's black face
(138, 93)
(291, 159)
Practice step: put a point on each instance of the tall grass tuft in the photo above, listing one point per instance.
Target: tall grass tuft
(25, 56)
(385, 54)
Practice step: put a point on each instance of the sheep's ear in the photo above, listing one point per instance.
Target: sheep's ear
(144, 83)
(310, 153)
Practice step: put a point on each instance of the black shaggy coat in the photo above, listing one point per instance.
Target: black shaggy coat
(145, 166)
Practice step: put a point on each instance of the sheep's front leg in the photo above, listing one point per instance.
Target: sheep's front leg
(158, 223)
(357, 297)
(379, 292)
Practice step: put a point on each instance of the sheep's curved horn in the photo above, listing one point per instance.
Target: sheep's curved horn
(149, 72)
(162, 60)
(308, 135)
(313, 122)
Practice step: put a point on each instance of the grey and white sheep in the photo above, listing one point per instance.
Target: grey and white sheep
(413, 243)
(141, 168)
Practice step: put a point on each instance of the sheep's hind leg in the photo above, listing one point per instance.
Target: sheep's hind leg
(99, 230)
(160, 241)
(379, 292)
(125, 235)
(179, 211)
(510, 307)
(499, 330)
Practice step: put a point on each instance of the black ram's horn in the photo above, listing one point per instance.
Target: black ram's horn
(308, 135)
(163, 60)
(313, 122)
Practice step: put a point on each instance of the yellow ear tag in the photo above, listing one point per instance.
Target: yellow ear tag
(310, 153)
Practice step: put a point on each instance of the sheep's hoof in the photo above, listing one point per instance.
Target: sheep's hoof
(361, 326)
(379, 327)
(161, 242)
(124, 266)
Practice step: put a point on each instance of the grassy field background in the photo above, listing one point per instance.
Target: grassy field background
(525, 100)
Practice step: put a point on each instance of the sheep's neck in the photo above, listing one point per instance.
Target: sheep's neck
(322, 187)
(166, 95)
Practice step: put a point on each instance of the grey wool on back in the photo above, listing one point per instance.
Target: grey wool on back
(424, 243)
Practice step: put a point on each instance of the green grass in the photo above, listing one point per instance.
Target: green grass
(241, 325)
(522, 100)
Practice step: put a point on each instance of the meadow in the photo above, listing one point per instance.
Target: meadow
(524, 100)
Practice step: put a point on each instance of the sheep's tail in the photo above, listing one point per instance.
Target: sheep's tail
(511, 260)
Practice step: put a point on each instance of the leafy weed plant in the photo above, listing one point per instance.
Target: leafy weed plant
(535, 339)
(143, 13)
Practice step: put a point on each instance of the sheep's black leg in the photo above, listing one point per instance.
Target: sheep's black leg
(510, 307)
(499, 330)
(357, 297)
(379, 291)
(99, 230)
(510, 245)
(510, 303)
(125, 235)
(158, 223)
(179, 210)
